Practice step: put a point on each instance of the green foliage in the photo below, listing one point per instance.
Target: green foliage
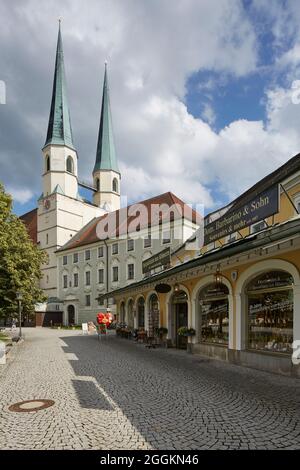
(185, 331)
(161, 331)
(20, 262)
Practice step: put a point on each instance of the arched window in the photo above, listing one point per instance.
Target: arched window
(214, 310)
(47, 163)
(153, 318)
(115, 185)
(141, 312)
(130, 314)
(70, 165)
(97, 184)
(122, 312)
(270, 312)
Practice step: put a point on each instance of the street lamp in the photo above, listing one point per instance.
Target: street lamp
(19, 299)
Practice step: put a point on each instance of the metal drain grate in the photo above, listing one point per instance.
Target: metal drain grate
(30, 405)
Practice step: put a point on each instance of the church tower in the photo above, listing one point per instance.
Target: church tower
(60, 156)
(61, 210)
(106, 174)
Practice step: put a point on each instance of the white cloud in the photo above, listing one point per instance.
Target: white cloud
(208, 114)
(152, 49)
(22, 196)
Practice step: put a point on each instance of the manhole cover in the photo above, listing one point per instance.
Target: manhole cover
(30, 405)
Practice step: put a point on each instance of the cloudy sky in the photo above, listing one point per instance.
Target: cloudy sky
(203, 92)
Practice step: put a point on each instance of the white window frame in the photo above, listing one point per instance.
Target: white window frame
(65, 258)
(130, 278)
(86, 297)
(146, 239)
(85, 255)
(102, 249)
(75, 254)
(131, 241)
(252, 227)
(169, 240)
(102, 270)
(75, 274)
(86, 274)
(112, 277)
(112, 249)
(296, 201)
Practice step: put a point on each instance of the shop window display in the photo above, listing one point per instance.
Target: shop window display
(270, 312)
(213, 301)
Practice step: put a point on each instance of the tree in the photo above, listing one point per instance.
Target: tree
(20, 262)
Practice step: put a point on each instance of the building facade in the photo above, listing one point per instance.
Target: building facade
(90, 267)
(82, 263)
(241, 293)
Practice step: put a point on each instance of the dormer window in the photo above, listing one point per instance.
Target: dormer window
(70, 165)
(115, 185)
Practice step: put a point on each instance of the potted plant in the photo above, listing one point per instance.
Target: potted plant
(161, 334)
(187, 332)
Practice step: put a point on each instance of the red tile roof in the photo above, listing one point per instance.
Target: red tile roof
(130, 219)
(30, 221)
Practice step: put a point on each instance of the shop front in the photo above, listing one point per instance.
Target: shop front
(130, 314)
(141, 313)
(153, 315)
(270, 312)
(214, 313)
(179, 318)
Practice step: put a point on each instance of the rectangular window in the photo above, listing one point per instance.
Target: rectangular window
(75, 279)
(88, 300)
(130, 271)
(100, 252)
(101, 276)
(65, 260)
(88, 278)
(115, 273)
(115, 249)
(65, 281)
(231, 238)
(47, 239)
(166, 236)
(75, 258)
(87, 255)
(147, 241)
(258, 227)
(130, 245)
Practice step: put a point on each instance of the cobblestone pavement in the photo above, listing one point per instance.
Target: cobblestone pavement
(115, 394)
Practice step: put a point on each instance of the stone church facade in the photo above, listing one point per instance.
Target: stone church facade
(81, 267)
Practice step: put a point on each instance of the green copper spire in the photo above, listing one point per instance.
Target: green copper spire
(106, 154)
(59, 127)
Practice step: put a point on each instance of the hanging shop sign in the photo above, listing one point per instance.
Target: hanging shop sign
(163, 258)
(162, 288)
(256, 209)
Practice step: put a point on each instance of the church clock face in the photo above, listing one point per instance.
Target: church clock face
(47, 204)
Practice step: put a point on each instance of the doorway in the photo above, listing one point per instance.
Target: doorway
(180, 318)
(71, 315)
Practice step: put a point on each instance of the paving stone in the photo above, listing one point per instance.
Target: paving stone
(120, 395)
